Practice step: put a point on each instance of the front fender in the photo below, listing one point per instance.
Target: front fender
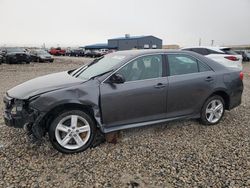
(85, 95)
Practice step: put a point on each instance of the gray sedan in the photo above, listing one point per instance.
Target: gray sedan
(122, 90)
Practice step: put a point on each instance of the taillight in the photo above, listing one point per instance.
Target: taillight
(241, 75)
(232, 58)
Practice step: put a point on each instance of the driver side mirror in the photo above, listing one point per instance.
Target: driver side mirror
(117, 78)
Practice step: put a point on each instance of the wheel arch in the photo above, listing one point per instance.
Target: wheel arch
(222, 93)
(50, 115)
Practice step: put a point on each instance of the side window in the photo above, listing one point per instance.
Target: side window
(182, 64)
(146, 67)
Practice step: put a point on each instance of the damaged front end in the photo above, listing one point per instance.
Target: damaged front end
(18, 113)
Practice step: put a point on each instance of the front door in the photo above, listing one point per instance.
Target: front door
(141, 98)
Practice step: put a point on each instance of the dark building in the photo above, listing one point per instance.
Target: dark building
(135, 42)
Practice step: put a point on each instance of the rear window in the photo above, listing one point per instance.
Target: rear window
(229, 51)
(202, 51)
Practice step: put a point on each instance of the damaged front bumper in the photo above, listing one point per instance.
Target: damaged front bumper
(17, 113)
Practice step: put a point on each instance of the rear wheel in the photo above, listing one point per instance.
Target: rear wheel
(72, 132)
(213, 110)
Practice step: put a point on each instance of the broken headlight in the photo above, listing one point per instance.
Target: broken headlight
(17, 107)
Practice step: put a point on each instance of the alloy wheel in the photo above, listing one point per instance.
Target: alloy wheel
(72, 132)
(214, 111)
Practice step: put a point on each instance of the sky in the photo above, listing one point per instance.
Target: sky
(81, 22)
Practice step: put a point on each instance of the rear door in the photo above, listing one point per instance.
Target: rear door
(190, 82)
(141, 98)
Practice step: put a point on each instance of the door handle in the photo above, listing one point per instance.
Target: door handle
(160, 85)
(209, 79)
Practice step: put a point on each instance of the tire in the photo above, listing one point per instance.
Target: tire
(64, 137)
(7, 61)
(212, 110)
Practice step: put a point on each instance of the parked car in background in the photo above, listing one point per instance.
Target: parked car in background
(87, 53)
(92, 53)
(103, 51)
(75, 52)
(41, 56)
(1, 59)
(96, 53)
(248, 55)
(223, 55)
(15, 55)
(123, 90)
(1, 56)
(244, 54)
(57, 51)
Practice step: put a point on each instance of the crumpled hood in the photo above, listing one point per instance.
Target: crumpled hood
(43, 84)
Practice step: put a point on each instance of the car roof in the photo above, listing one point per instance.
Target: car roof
(145, 52)
(130, 54)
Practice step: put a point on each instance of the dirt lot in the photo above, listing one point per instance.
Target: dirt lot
(177, 154)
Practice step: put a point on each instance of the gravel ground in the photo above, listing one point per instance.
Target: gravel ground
(176, 154)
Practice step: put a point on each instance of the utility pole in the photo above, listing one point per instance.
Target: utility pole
(212, 42)
(199, 41)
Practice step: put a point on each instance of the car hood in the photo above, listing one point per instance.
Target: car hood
(44, 55)
(43, 84)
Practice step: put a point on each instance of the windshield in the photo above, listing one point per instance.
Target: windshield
(99, 66)
(41, 52)
(14, 50)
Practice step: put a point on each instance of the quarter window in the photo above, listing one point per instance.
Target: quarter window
(146, 67)
(203, 67)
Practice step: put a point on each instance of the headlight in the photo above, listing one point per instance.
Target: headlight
(17, 107)
(13, 110)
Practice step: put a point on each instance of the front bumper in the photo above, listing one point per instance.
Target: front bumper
(14, 121)
(20, 118)
(47, 59)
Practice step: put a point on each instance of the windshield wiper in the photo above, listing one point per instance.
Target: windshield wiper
(100, 74)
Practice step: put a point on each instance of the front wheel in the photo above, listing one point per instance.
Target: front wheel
(72, 132)
(212, 110)
(7, 61)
